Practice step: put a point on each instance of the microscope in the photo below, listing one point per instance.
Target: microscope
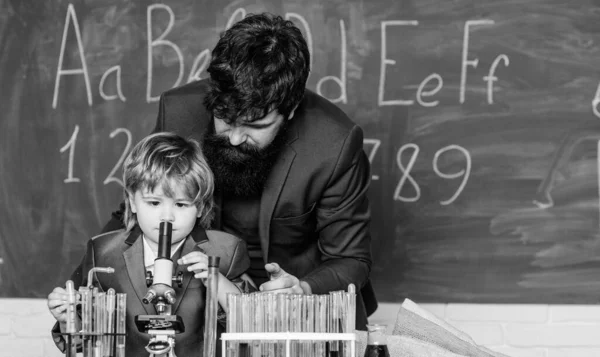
(162, 327)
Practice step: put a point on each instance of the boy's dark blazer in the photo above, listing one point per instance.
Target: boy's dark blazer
(124, 253)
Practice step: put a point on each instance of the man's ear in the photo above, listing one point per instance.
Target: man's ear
(292, 112)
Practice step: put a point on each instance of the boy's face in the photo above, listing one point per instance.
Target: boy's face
(154, 207)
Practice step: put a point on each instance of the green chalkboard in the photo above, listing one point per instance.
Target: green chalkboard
(480, 120)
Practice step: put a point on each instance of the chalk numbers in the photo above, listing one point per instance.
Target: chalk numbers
(71, 144)
(406, 173)
(407, 156)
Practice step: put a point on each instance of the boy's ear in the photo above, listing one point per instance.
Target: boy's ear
(132, 203)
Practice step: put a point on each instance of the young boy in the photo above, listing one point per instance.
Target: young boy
(166, 179)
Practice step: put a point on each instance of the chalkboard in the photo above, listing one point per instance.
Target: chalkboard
(480, 118)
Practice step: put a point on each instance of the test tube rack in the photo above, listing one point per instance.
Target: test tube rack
(288, 337)
(102, 324)
(290, 325)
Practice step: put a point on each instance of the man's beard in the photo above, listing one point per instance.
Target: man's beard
(242, 170)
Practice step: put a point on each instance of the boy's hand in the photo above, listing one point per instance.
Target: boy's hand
(198, 264)
(57, 304)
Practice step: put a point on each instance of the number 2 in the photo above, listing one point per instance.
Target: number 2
(111, 178)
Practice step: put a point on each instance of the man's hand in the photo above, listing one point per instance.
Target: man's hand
(282, 282)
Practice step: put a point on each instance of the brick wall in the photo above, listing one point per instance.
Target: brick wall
(516, 330)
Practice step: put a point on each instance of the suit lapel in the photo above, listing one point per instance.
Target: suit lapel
(134, 260)
(271, 193)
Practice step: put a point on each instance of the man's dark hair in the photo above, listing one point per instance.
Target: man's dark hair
(260, 64)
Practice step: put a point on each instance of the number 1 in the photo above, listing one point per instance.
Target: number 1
(71, 146)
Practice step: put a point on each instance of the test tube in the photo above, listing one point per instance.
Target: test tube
(232, 322)
(259, 322)
(282, 325)
(120, 324)
(321, 321)
(333, 323)
(109, 347)
(351, 317)
(71, 323)
(100, 321)
(98, 348)
(86, 320)
(210, 323)
(310, 323)
(271, 312)
(296, 322)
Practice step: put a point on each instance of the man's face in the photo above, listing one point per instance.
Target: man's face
(241, 155)
(257, 134)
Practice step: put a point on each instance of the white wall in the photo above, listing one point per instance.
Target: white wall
(516, 330)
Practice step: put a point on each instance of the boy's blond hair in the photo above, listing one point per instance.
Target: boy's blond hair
(168, 159)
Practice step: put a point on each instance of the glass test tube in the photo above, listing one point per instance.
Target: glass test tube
(333, 323)
(210, 323)
(232, 323)
(109, 340)
(120, 324)
(71, 323)
(310, 323)
(86, 320)
(271, 316)
(246, 303)
(99, 322)
(321, 321)
(351, 318)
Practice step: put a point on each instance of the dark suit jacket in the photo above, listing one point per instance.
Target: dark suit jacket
(124, 253)
(314, 213)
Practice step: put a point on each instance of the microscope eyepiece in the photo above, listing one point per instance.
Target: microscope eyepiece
(164, 240)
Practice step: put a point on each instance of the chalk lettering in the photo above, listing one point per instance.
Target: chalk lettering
(465, 173)
(385, 61)
(198, 67)
(598, 169)
(117, 70)
(71, 15)
(465, 53)
(307, 33)
(71, 146)
(160, 41)
(406, 174)
(491, 78)
(341, 80)
(376, 143)
(239, 12)
(430, 93)
(596, 101)
(111, 176)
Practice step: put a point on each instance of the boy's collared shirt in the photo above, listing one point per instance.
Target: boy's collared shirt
(150, 256)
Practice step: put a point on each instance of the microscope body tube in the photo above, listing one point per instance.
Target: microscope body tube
(210, 315)
(163, 268)
(163, 265)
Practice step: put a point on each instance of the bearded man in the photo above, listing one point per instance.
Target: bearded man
(290, 171)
